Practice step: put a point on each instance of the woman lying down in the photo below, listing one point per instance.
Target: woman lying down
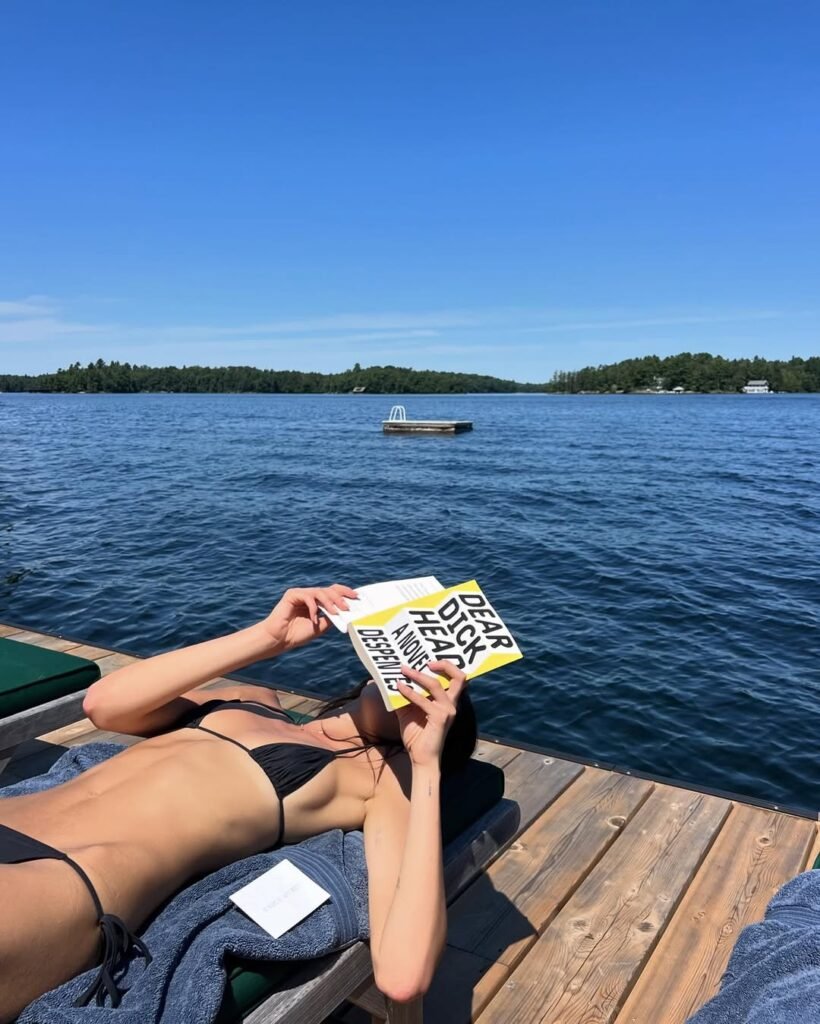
(226, 774)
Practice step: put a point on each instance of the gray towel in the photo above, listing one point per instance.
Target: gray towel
(190, 936)
(773, 976)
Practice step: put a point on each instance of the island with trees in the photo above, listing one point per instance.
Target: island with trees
(698, 372)
(124, 378)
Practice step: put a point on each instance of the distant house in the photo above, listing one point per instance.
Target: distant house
(757, 387)
(359, 391)
(679, 390)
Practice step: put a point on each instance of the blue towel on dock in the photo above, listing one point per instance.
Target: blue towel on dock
(773, 976)
(190, 936)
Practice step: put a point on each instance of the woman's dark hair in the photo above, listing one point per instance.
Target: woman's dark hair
(459, 743)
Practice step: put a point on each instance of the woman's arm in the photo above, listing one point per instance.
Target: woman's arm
(147, 696)
(402, 830)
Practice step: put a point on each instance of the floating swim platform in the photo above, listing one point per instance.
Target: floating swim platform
(398, 423)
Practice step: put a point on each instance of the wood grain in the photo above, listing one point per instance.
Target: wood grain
(581, 968)
(91, 652)
(546, 864)
(500, 916)
(814, 851)
(49, 643)
(111, 662)
(534, 781)
(495, 753)
(756, 851)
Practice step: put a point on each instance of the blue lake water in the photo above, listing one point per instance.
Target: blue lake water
(656, 557)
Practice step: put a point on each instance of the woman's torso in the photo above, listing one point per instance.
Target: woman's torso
(188, 802)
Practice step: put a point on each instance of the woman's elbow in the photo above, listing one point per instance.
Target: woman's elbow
(402, 984)
(96, 710)
(401, 989)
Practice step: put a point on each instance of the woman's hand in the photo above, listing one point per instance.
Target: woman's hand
(295, 620)
(425, 721)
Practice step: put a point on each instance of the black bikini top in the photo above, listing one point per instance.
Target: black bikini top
(288, 766)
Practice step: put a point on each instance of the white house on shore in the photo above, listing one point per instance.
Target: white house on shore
(757, 387)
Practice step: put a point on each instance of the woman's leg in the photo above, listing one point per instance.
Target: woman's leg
(48, 931)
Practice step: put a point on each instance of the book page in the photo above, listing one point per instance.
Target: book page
(375, 597)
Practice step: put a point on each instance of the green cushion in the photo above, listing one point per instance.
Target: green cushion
(299, 718)
(249, 983)
(464, 798)
(32, 675)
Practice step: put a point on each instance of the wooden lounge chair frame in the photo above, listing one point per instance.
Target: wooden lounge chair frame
(32, 722)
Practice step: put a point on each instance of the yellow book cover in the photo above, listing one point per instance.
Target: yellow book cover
(456, 624)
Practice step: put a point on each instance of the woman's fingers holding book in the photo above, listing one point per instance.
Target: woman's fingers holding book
(332, 599)
(435, 711)
(338, 594)
(442, 698)
(458, 680)
(295, 620)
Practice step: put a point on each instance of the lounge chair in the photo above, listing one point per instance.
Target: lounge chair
(40, 690)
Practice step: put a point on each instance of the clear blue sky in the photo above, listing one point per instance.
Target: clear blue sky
(510, 188)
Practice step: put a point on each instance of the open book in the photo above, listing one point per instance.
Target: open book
(455, 624)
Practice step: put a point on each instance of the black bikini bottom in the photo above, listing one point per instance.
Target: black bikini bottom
(117, 940)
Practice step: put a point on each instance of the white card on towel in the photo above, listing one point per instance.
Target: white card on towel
(280, 898)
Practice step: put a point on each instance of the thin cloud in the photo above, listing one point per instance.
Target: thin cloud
(663, 321)
(33, 305)
(39, 334)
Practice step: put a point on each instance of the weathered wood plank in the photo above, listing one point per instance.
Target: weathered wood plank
(315, 989)
(495, 753)
(50, 643)
(755, 853)
(62, 736)
(502, 913)
(814, 851)
(24, 724)
(533, 781)
(111, 662)
(8, 630)
(91, 652)
(543, 867)
(582, 967)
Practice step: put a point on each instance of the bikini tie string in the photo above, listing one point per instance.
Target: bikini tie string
(118, 941)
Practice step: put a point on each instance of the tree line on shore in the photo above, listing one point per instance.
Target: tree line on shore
(693, 372)
(125, 378)
(698, 372)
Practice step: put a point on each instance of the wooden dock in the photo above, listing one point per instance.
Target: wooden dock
(426, 426)
(617, 902)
